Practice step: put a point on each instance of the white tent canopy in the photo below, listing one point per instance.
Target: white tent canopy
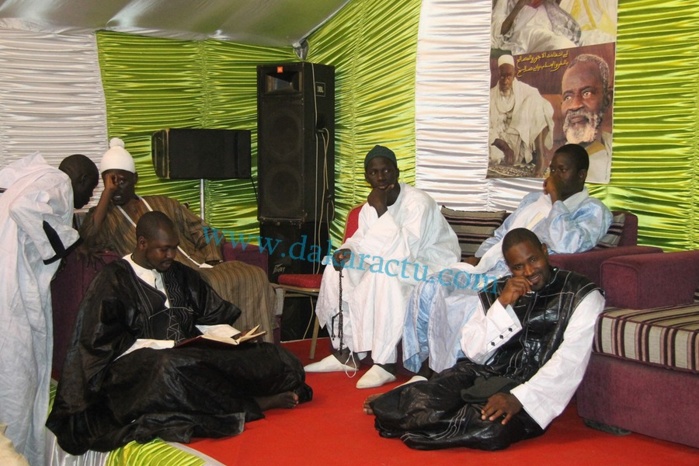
(259, 22)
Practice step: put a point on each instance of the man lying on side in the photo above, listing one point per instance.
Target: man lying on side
(527, 347)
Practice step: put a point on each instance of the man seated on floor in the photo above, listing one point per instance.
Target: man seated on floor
(111, 226)
(564, 216)
(527, 347)
(401, 239)
(123, 380)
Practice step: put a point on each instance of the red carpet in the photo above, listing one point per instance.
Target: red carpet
(332, 430)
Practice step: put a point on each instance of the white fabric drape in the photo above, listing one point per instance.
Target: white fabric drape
(451, 98)
(51, 97)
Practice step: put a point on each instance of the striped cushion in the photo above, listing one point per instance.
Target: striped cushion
(472, 228)
(667, 337)
(613, 236)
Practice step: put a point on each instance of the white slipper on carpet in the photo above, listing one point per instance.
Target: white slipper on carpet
(375, 377)
(329, 364)
(413, 379)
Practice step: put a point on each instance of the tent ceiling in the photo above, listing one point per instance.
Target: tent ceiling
(258, 22)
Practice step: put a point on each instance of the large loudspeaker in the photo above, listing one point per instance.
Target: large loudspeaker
(190, 153)
(295, 146)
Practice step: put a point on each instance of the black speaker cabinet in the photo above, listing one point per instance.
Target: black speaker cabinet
(295, 141)
(294, 247)
(191, 153)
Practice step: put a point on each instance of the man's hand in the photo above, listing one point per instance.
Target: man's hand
(340, 257)
(378, 199)
(499, 405)
(501, 144)
(111, 184)
(551, 189)
(514, 288)
(507, 150)
(473, 260)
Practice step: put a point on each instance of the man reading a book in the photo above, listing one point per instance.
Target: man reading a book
(126, 379)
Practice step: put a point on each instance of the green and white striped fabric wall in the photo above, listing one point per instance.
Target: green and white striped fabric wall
(65, 94)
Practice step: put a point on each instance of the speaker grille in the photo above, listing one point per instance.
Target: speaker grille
(194, 153)
(294, 100)
(284, 184)
(284, 134)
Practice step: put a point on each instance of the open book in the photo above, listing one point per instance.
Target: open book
(222, 334)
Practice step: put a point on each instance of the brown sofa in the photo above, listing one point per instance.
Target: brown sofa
(472, 228)
(643, 375)
(588, 263)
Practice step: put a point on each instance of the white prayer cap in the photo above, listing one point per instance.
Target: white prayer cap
(117, 158)
(506, 60)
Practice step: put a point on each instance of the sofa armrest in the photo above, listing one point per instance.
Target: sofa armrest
(629, 234)
(651, 280)
(250, 254)
(67, 290)
(588, 263)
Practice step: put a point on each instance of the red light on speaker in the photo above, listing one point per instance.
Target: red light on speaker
(280, 69)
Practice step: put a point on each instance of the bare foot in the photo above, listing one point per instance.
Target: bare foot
(369, 399)
(285, 400)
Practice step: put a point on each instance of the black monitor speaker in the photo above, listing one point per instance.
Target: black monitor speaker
(295, 141)
(193, 153)
(294, 247)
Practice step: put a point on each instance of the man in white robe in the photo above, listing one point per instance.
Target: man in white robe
(563, 216)
(527, 26)
(402, 238)
(521, 120)
(36, 217)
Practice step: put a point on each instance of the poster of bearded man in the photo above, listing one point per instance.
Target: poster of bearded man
(573, 91)
(586, 92)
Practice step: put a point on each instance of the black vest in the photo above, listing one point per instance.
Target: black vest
(544, 316)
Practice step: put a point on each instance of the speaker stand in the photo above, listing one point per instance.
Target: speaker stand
(202, 206)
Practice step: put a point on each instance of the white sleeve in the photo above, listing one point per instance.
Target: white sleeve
(484, 332)
(549, 391)
(47, 200)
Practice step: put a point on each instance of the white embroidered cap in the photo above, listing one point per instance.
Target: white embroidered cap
(117, 158)
(506, 60)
